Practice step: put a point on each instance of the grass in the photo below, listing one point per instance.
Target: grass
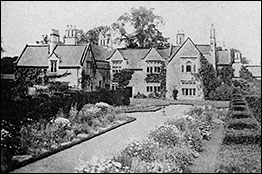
(239, 159)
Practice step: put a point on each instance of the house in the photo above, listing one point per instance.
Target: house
(111, 39)
(184, 62)
(85, 65)
(223, 58)
(143, 62)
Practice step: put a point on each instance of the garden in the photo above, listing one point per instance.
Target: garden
(241, 148)
(34, 127)
(171, 147)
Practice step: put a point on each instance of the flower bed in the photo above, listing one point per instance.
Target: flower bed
(170, 148)
(137, 108)
(46, 137)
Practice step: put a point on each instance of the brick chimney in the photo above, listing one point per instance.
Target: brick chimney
(54, 39)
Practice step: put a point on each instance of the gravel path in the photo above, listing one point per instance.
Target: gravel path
(104, 145)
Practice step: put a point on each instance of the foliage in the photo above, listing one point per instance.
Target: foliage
(225, 75)
(239, 159)
(123, 77)
(165, 135)
(246, 87)
(244, 73)
(154, 95)
(139, 95)
(145, 24)
(92, 34)
(255, 105)
(221, 93)
(207, 77)
(153, 78)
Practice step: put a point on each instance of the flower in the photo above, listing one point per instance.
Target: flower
(62, 121)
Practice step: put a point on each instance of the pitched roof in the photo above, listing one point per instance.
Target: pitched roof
(100, 53)
(203, 48)
(33, 55)
(70, 54)
(133, 55)
(164, 53)
(179, 47)
(223, 57)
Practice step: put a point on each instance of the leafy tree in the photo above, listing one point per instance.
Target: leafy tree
(225, 75)
(44, 40)
(207, 75)
(145, 23)
(244, 73)
(123, 77)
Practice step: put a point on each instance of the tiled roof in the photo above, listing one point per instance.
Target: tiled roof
(133, 56)
(164, 53)
(174, 50)
(34, 55)
(204, 49)
(70, 54)
(37, 55)
(100, 53)
(223, 57)
(254, 69)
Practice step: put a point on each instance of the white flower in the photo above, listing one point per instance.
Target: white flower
(62, 121)
(102, 105)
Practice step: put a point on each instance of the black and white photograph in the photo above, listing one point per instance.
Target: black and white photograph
(130, 86)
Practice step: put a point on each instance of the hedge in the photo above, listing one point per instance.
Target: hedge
(254, 102)
(242, 123)
(244, 136)
(46, 106)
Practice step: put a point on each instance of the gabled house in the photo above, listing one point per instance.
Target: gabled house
(143, 62)
(85, 65)
(184, 62)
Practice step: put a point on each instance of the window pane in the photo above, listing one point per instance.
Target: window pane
(188, 68)
(151, 88)
(186, 91)
(182, 68)
(190, 91)
(194, 91)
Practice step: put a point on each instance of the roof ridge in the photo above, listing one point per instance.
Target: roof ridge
(37, 45)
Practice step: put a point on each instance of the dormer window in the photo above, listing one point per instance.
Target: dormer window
(53, 65)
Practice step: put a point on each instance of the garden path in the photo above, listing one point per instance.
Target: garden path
(206, 163)
(105, 145)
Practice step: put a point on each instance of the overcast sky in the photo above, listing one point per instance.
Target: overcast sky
(238, 24)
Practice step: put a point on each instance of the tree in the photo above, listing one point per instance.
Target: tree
(207, 75)
(244, 73)
(123, 77)
(225, 75)
(145, 23)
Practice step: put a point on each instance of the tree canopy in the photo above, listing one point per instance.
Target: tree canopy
(145, 24)
(123, 77)
(92, 34)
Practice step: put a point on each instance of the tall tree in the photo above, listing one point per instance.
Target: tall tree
(244, 73)
(145, 24)
(225, 75)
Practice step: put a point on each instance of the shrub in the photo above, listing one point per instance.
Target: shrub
(242, 123)
(244, 136)
(255, 104)
(221, 93)
(165, 135)
(239, 108)
(139, 95)
(240, 115)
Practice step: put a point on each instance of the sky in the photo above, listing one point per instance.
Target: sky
(237, 23)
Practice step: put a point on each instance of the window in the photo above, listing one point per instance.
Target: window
(53, 65)
(158, 88)
(151, 88)
(189, 91)
(188, 68)
(182, 68)
(147, 89)
(194, 68)
(147, 69)
(155, 88)
(108, 41)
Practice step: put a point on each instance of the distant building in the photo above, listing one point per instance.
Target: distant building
(143, 62)
(78, 60)
(111, 39)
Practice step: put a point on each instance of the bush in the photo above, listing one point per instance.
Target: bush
(165, 135)
(240, 115)
(139, 95)
(222, 93)
(255, 104)
(244, 136)
(242, 123)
